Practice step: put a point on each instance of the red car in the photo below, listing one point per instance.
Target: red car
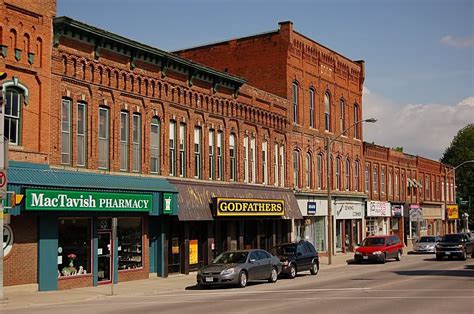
(379, 249)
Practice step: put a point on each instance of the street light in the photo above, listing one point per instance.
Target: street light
(329, 141)
(453, 169)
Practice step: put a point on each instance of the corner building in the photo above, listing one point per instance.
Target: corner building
(324, 89)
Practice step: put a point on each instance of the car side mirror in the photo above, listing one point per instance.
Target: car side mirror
(252, 260)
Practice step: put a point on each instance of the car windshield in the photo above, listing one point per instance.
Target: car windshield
(427, 239)
(453, 238)
(284, 249)
(231, 258)
(373, 242)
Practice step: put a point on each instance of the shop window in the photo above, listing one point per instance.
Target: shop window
(66, 132)
(124, 129)
(182, 150)
(74, 247)
(103, 138)
(130, 246)
(136, 143)
(155, 146)
(172, 148)
(81, 133)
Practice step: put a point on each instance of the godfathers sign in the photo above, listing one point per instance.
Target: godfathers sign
(89, 201)
(249, 207)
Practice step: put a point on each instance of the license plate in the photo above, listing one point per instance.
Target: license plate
(365, 257)
(209, 279)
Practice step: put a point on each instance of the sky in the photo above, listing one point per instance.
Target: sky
(419, 54)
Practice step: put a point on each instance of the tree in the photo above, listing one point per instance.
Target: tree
(460, 150)
(398, 149)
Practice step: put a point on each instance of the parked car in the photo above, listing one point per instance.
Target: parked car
(239, 267)
(297, 257)
(455, 245)
(379, 249)
(426, 244)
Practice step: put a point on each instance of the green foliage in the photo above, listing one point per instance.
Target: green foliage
(460, 150)
(398, 149)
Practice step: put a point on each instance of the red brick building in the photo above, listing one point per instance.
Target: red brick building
(325, 93)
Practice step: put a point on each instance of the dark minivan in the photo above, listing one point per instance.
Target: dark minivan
(297, 257)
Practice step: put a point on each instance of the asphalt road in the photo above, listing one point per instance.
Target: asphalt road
(417, 284)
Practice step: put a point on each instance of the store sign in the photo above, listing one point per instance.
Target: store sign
(167, 203)
(193, 252)
(249, 207)
(311, 208)
(453, 212)
(349, 210)
(378, 209)
(397, 210)
(87, 201)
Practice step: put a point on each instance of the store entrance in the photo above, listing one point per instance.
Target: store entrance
(104, 253)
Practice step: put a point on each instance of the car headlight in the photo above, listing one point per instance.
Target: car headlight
(228, 271)
(377, 252)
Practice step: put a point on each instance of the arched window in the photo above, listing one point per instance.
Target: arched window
(357, 176)
(155, 145)
(308, 171)
(232, 155)
(265, 162)
(347, 173)
(295, 102)
(296, 168)
(338, 173)
(15, 95)
(327, 112)
(65, 131)
(311, 107)
(124, 139)
(246, 160)
(356, 119)
(341, 118)
(136, 142)
(197, 152)
(320, 171)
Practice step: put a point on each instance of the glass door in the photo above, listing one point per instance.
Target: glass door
(104, 254)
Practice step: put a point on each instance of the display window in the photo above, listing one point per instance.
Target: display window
(74, 247)
(130, 246)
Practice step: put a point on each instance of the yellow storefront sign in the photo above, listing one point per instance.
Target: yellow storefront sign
(193, 252)
(453, 212)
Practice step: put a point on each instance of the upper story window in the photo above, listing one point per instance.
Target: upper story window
(65, 131)
(375, 179)
(136, 142)
(390, 186)
(319, 165)
(155, 145)
(220, 158)
(296, 168)
(246, 161)
(347, 173)
(311, 107)
(172, 148)
(15, 94)
(397, 193)
(367, 177)
(342, 121)
(295, 102)
(253, 160)
(81, 134)
(282, 165)
(124, 141)
(338, 173)
(357, 176)
(275, 164)
(382, 181)
(212, 161)
(265, 162)
(308, 171)
(427, 186)
(356, 119)
(182, 150)
(232, 155)
(327, 112)
(197, 152)
(104, 139)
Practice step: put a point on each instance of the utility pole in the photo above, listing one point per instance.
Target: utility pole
(3, 183)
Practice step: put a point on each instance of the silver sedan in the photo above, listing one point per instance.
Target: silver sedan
(426, 244)
(239, 267)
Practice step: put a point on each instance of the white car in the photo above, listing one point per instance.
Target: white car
(426, 244)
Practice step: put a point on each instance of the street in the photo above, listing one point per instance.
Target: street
(417, 284)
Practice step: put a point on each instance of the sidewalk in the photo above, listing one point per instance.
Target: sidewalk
(27, 297)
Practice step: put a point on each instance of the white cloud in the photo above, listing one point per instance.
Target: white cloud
(449, 40)
(421, 129)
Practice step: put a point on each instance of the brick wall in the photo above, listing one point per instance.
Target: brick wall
(20, 265)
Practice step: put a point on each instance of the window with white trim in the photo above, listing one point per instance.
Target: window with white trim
(327, 112)
(296, 169)
(253, 160)
(320, 170)
(124, 129)
(12, 121)
(338, 173)
(172, 148)
(232, 155)
(282, 166)
(182, 150)
(81, 134)
(246, 162)
(308, 170)
(342, 117)
(212, 161)
(103, 161)
(382, 181)
(155, 146)
(264, 162)
(220, 158)
(311, 107)
(357, 176)
(65, 131)
(197, 152)
(356, 119)
(375, 178)
(367, 177)
(136, 142)
(347, 173)
(295, 102)
(275, 164)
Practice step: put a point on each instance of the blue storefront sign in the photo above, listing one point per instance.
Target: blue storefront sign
(311, 208)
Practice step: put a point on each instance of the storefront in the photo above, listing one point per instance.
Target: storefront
(313, 226)
(349, 214)
(86, 234)
(201, 231)
(397, 222)
(452, 216)
(378, 218)
(417, 225)
(434, 215)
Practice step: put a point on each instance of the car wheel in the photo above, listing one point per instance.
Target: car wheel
(464, 255)
(242, 279)
(384, 258)
(292, 273)
(273, 276)
(314, 268)
(399, 256)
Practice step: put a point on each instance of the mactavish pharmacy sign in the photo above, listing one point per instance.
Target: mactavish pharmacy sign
(88, 201)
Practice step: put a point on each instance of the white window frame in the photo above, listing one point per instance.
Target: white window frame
(308, 171)
(253, 161)
(81, 135)
(232, 155)
(275, 165)
(382, 180)
(246, 161)
(220, 157)
(136, 142)
(375, 178)
(124, 140)
(342, 120)
(172, 148)
(327, 112)
(197, 152)
(104, 140)
(347, 173)
(295, 102)
(282, 166)
(357, 176)
(367, 177)
(9, 117)
(212, 160)
(319, 165)
(182, 150)
(265, 162)
(311, 107)
(296, 169)
(155, 147)
(66, 127)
